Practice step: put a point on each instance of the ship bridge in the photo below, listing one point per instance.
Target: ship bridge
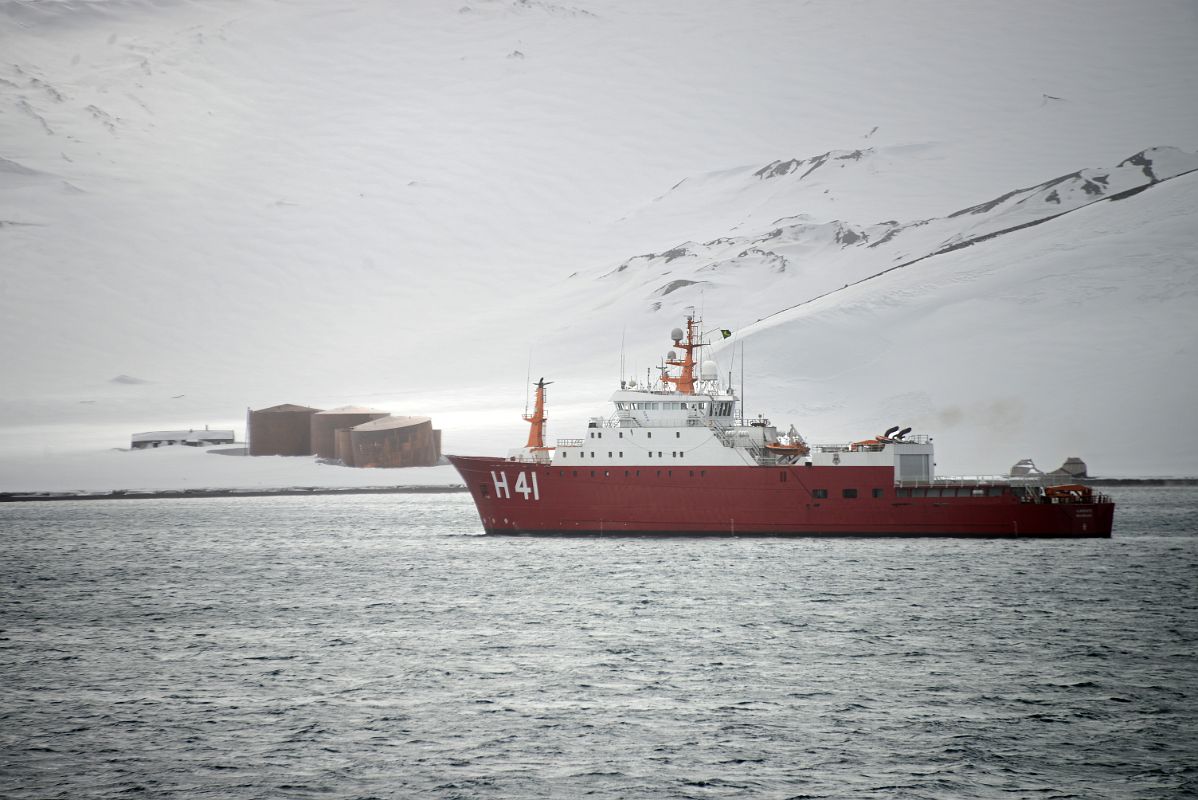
(637, 409)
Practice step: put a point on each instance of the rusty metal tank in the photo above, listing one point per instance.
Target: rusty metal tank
(394, 442)
(343, 449)
(283, 430)
(326, 423)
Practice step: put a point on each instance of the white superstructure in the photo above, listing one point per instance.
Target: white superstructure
(687, 422)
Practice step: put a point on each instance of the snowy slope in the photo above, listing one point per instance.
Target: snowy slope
(246, 203)
(1076, 338)
(790, 253)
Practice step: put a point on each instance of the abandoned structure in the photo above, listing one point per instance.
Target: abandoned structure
(326, 423)
(283, 430)
(190, 437)
(1073, 468)
(395, 442)
(357, 437)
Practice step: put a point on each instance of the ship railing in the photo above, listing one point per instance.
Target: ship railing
(539, 458)
(569, 442)
(1045, 479)
(1029, 488)
(959, 480)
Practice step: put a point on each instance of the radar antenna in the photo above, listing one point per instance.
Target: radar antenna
(685, 380)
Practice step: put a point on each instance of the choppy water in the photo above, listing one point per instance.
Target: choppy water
(355, 647)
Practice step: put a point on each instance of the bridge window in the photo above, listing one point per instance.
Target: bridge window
(851, 494)
(879, 492)
(677, 434)
(621, 454)
(819, 494)
(609, 453)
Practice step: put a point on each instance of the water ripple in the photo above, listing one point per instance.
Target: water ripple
(373, 647)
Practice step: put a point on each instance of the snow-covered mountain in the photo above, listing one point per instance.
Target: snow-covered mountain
(243, 203)
(806, 256)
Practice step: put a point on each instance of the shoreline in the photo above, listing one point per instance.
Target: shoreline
(177, 494)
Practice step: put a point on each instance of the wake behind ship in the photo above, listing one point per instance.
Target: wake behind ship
(677, 457)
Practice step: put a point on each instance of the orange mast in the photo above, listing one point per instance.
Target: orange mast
(536, 433)
(685, 382)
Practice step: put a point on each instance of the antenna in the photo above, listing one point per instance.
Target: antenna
(731, 367)
(527, 381)
(742, 381)
(623, 331)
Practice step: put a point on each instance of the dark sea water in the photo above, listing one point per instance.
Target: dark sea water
(373, 646)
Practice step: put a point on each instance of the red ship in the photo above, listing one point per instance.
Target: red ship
(677, 458)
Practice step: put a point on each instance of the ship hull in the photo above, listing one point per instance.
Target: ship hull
(520, 498)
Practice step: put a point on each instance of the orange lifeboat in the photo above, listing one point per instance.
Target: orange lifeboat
(1069, 492)
(798, 448)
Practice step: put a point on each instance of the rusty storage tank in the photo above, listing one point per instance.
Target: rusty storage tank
(325, 423)
(343, 449)
(283, 430)
(394, 442)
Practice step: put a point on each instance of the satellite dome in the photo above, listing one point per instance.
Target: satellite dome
(676, 334)
(671, 356)
(709, 371)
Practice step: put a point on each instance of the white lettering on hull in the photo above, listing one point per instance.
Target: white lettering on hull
(500, 482)
(524, 485)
